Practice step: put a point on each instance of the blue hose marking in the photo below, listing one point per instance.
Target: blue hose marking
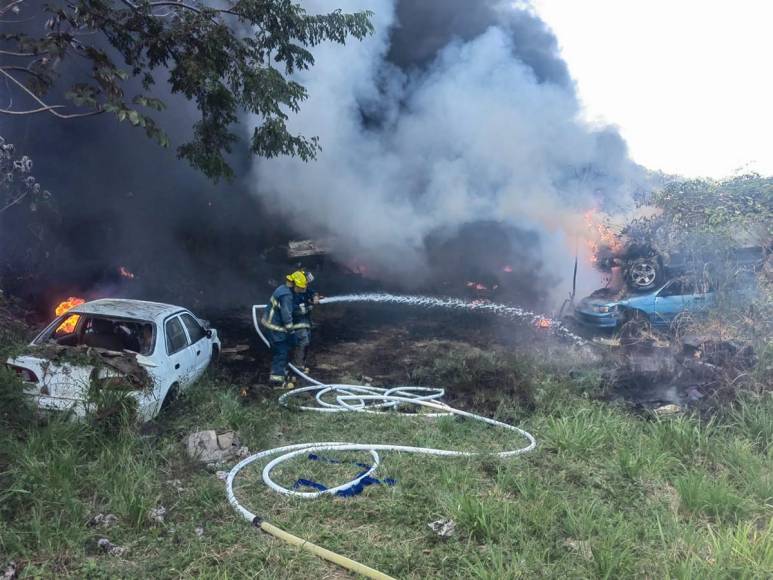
(351, 491)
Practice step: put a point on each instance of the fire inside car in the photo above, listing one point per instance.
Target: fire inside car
(107, 333)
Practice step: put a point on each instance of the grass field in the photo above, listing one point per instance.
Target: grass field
(606, 493)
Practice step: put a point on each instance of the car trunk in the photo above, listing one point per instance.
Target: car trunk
(56, 379)
(62, 384)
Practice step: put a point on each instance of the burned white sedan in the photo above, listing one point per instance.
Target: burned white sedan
(151, 350)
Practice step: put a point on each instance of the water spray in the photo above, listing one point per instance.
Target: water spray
(343, 398)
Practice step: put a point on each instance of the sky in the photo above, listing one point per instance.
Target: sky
(687, 82)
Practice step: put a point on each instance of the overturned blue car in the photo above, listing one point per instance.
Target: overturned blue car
(606, 309)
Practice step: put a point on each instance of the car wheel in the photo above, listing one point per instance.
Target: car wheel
(215, 357)
(643, 274)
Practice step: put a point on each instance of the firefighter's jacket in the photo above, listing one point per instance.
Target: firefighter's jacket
(278, 317)
(303, 303)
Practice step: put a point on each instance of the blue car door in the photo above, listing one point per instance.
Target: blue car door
(699, 297)
(669, 302)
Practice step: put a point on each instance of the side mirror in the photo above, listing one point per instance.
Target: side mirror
(209, 333)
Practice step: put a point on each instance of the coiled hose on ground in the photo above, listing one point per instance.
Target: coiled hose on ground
(368, 399)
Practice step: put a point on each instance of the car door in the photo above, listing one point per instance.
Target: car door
(200, 345)
(180, 356)
(698, 297)
(669, 302)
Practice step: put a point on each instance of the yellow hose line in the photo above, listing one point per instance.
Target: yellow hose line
(342, 561)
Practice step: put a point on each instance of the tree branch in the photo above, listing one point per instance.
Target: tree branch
(11, 53)
(9, 6)
(178, 5)
(15, 201)
(43, 106)
(24, 69)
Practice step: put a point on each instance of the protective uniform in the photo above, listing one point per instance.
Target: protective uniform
(278, 322)
(303, 303)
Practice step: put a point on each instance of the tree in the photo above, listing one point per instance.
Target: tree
(233, 58)
(17, 184)
(698, 212)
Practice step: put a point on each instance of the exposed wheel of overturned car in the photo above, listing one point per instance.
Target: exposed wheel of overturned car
(644, 273)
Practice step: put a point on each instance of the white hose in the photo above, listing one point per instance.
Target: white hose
(368, 399)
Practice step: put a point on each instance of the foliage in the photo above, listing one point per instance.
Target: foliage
(228, 58)
(26, 214)
(696, 212)
(605, 494)
(744, 202)
(17, 184)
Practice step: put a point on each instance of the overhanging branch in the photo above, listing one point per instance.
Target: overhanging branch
(44, 107)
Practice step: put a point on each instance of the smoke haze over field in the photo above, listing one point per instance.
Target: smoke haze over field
(451, 147)
(452, 113)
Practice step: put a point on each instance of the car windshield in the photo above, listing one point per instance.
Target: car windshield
(101, 332)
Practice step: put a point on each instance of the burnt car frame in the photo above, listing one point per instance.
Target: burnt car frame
(151, 350)
(606, 309)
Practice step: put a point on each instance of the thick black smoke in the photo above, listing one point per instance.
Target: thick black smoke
(452, 114)
(422, 29)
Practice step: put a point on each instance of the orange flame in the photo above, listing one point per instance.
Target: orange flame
(70, 322)
(507, 268)
(601, 234)
(543, 323)
(126, 273)
(476, 286)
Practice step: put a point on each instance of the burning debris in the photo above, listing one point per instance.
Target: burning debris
(125, 273)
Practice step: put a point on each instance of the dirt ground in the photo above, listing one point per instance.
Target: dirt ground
(381, 343)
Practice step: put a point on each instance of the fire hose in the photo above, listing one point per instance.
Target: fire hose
(368, 399)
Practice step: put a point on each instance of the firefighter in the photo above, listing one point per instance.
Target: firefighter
(278, 321)
(303, 304)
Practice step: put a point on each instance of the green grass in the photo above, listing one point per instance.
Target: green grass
(605, 495)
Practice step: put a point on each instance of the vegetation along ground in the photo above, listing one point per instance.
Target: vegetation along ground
(608, 492)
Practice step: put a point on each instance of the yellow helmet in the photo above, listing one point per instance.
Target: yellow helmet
(298, 278)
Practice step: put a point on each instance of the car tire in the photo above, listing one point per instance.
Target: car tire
(214, 358)
(644, 274)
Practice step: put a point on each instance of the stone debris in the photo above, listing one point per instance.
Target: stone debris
(668, 410)
(199, 532)
(103, 520)
(176, 484)
(580, 547)
(211, 447)
(222, 475)
(443, 527)
(11, 571)
(110, 548)
(235, 349)
(158, 514)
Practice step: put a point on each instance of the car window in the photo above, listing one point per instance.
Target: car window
(676, 288)
(104, 332)
(194, 328)
(175, 336)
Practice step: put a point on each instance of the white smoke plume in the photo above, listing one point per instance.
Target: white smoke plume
(473, 133)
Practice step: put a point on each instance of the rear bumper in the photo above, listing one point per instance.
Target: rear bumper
(54, 405)
(47, 405)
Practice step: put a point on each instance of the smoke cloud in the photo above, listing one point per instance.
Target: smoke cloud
(451, 113)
